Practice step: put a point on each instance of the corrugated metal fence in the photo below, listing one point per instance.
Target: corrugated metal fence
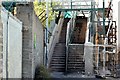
(12, 45)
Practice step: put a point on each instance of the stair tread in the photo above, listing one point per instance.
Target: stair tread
(58, 58)
(75, 62)
(76, 66)
(57, 67)
(57, 64)
(58, 55)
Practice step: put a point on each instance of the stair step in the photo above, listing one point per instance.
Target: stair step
(76, 70)
(58, 57)
(60, 48)
(73, 53)
(59, 52)
(60, 45)
(75, 56)
(71, 68)
(75, 67)
(81, 62)
(75, 59)
(54, 54)
(57, 65)
(57, 70)
(57, 62)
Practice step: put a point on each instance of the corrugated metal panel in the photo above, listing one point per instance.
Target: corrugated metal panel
(12, 45)
(1, 47)
(14, 48)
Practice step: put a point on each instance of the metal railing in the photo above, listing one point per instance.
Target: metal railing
(72, 4)
(70, 28)
(104, 58)
(67, 40)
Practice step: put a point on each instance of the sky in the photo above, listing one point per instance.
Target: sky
(115, 4)
(115, 8)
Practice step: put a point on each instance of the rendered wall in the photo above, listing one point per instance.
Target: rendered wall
(37, 40)
(24, 13)
(32, 50)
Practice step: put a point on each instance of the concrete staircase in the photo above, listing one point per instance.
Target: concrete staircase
(57, 63)
(78, 36)
(76, 52)
(58, 58)
(1, 48)
(75, 59)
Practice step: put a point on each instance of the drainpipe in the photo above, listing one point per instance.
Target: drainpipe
(46, 36)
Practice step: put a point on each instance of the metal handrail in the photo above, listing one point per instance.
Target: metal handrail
(70, 28)
(67, 41)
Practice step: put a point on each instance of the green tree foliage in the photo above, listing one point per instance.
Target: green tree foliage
(39, 7)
